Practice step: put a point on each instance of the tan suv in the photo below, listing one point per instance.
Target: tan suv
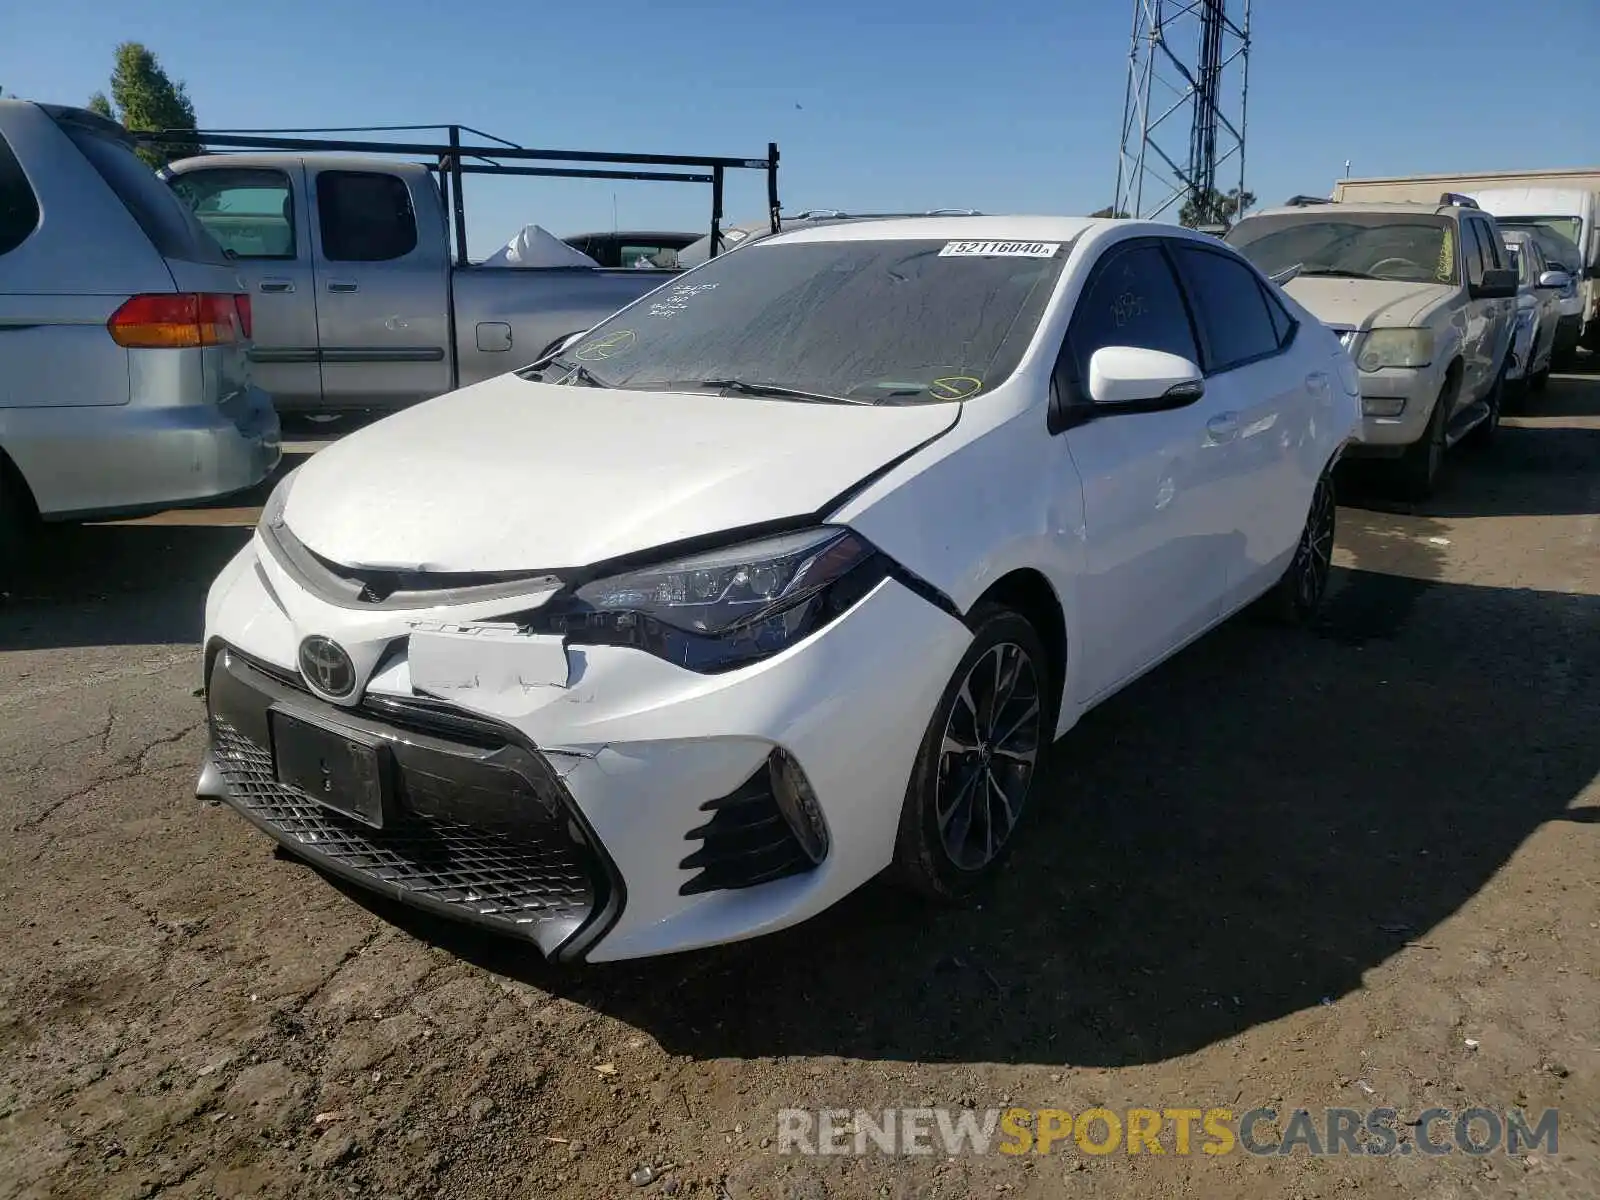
(1423, 297)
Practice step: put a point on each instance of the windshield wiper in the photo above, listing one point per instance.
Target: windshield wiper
(579, 372)
(746, 387)
(1336, 273)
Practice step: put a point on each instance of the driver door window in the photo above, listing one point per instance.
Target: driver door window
(1474, 251)
(1132, 300)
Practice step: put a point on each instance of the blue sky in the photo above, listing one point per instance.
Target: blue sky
(882, 105)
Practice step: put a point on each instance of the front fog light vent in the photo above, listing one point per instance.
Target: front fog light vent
(770, 827)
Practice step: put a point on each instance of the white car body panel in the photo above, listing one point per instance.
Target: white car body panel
(1148, 529)
(462, 485)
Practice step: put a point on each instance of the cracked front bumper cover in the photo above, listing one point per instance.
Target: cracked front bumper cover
(481, 828)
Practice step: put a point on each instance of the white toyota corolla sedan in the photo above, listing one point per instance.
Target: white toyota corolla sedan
(788, 573)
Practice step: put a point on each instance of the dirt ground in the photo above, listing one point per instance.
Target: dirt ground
(1356, 867)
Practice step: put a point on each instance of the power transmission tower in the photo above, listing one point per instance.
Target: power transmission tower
(1189, 66)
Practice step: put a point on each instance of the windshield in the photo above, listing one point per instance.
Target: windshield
(1557, 236)
(895, 322)
(1403, 248)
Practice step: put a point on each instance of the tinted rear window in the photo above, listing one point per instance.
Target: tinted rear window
(19, 208)
(169, 225)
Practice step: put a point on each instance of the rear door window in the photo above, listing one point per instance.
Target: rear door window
(19, 207)
(248, 210)
(365, 216)
(1230, 306)
(166, 221)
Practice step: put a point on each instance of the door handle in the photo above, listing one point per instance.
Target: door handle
(1223, 427)
(276, 285)
(343, 285)
(1317, 381)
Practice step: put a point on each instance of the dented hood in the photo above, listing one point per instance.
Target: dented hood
(511, 475)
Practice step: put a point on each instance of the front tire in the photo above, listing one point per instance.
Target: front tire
(978, 766)
(1416, 473)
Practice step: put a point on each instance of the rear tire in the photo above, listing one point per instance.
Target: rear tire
(1295, 598)
(18, 523)
(1484, 432)
(979, 763)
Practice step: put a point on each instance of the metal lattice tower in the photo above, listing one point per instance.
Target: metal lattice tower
(1189, 66)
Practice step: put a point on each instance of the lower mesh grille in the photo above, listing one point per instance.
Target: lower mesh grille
(483, 873)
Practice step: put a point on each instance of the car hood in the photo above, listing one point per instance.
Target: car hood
(511, 475)
(1365, 303)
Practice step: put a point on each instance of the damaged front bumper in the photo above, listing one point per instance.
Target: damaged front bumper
(469, 821)
(599, 801)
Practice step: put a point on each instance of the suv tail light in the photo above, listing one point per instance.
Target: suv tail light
(167, 321)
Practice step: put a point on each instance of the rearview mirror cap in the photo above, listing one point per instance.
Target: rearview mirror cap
(1132, 378)
(1554, 279)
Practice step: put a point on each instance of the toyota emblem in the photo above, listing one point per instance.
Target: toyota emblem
(327, 667)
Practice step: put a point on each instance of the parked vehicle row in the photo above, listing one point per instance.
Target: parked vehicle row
(1426, 299)
(1559, 207)
(778, 578)
(125, 384)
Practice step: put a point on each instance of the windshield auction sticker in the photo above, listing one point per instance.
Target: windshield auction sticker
(1000, 250)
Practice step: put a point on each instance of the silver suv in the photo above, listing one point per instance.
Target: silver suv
(124, 335)
(1423, 296)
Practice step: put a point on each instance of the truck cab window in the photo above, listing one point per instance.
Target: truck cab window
(365, 216)
(249, 211)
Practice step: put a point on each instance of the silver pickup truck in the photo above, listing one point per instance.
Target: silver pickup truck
(359, 302)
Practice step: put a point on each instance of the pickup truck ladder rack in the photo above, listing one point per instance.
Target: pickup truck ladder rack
(506, 158)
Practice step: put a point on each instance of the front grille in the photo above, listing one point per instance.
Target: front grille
(747, 841)
(486, 874)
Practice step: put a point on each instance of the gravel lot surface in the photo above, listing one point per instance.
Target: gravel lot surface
(1355, 867)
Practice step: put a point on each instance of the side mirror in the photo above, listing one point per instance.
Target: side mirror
(1499, 283)
(1554, 279)
(1132, 379)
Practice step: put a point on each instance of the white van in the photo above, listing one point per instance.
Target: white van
(1563, 219)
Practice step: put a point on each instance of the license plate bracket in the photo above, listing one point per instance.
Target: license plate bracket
(342, 769)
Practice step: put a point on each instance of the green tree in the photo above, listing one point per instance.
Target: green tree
(1110, 211)
(1215, 208)
(145, 98)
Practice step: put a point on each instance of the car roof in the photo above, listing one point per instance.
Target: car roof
(963, 228)
(278, 159)
(1374, 207)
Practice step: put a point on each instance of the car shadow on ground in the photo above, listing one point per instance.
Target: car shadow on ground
(128, 583)
(1533, 469)
(1239, 835)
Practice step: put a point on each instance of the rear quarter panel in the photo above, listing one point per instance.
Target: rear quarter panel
(58, 288)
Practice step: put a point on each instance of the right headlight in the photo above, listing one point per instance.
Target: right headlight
(1381, 348)
(723, 609)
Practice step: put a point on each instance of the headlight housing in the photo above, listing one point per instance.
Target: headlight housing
(1381, 348)
(723, 609)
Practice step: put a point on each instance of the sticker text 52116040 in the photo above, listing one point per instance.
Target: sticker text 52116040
(1000, 250)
